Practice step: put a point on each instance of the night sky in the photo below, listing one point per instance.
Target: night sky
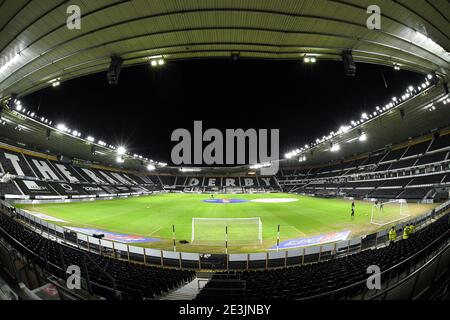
(303, 101)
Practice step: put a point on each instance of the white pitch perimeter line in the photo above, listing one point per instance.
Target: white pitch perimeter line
(156, 230)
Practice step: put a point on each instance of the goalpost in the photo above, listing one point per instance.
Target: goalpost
(388, 212)
(234, 231)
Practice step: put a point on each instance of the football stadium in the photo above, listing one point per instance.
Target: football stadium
(225, 150)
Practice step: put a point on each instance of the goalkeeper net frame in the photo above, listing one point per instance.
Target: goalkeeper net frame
(232, 230)
(385, 213)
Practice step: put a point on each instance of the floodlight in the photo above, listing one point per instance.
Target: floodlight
(61, 127)
(335, 148)
(151, 167)
(363, 137)
(153, 63)
(121, 150)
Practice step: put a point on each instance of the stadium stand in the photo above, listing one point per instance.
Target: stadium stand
(394, 155)
(318, 280)
(404, 172)
(107, 277)
(417, 149)
(38, 175)
(9, 188)
(432, 158)
(441, 142)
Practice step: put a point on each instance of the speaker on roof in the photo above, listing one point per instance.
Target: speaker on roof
(114, 70)
(349, 64)
(64, 159)
(235, 56)
(48, 133)
(12, 101)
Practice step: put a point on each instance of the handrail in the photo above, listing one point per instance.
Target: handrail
(330, 293)
(413, 273)
(244, 282)
(432, 213)
(36, 256)
(67, 292)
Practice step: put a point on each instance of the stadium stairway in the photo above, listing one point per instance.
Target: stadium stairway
(187, 292)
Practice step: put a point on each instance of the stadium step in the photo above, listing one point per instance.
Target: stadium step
(187, 292)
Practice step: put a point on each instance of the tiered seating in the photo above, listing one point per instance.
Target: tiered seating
(358, 193)
(9, 188)
(385, 174)
(403, 164)
(364, 184)
(384, 167)
(394, 154)
(55, 178)
(417, 149)
(433, 157)
(414, 193)
(355, 163)
(374, 159)
(214, 184)
(400, 182)
(7, 159)
(320, 278)
(386, 193)
(428, 179)
(132, 281)
(441, 143)
(167, 180)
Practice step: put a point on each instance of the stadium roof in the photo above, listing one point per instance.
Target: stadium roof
(36, 46)
(424, 113)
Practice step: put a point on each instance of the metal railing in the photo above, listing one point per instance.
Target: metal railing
(177, 260)
(47, 265)
(411, 262)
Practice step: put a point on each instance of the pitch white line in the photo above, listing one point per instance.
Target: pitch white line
(156, 230)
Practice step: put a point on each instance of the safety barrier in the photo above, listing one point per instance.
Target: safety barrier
(202, 261)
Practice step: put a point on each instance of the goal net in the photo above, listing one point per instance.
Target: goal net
(236, 231)
(388, 212)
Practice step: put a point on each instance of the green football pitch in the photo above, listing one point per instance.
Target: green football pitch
(153, 217)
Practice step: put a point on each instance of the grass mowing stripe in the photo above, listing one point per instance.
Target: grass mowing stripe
(154, 215)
